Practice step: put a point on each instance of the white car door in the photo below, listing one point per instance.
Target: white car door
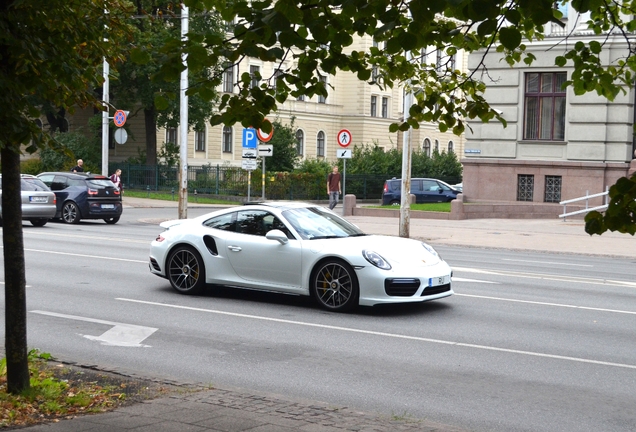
(256, 259)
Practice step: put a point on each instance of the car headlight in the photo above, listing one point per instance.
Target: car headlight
(376, 259)
(431, 250)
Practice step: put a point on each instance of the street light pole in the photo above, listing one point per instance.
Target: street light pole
(105, 128)
(183, 101)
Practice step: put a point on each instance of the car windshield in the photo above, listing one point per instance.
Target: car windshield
(317, 223)
(33, 184)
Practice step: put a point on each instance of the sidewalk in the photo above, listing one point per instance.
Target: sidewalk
(239, 410)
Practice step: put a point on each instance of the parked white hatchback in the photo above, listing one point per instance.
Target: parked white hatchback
(38, 202)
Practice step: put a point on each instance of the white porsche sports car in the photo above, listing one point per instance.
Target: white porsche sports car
(297, 248)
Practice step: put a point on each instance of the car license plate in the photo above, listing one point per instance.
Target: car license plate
(38, 199)
(108, 206)
(439, 280)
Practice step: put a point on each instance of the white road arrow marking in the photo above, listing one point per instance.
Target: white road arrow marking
(457, 279)
(126, 335)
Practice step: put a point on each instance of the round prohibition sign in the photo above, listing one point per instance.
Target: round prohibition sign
(119, 118)
(344, 138)
(263, 136)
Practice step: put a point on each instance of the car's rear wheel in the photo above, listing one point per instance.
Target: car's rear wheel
(395, 203)
(112, 220)
(70, 213)
(39, 222)
(185, 270)
(335, 286)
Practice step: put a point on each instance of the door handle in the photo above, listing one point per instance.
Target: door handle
(234, 248)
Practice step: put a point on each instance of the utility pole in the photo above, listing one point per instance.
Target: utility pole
(183, 136)
(405, 203)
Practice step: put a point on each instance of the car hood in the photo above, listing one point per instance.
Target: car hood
(396, 250)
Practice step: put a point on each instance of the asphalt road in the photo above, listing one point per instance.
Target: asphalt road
(530, 341)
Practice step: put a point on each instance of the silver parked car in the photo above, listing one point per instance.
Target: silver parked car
(38, 202)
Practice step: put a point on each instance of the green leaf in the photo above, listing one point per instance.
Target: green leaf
(510, 37)
(140, 56)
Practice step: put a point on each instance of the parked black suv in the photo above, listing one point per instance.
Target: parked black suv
(84, 196)
(426, 190)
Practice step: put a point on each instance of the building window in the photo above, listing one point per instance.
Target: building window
(436, 146)
(323, 99)
(199, 140)
(301, 98)
(300, 142)
(451, 147)
(320, 144)
(277, 76)
(227, 139)
(544, 112)
(228, 79)
(255, 76)
(374, 104)
(525, 187)
(171, 135)
(385, 107)
(552, 189)
(426, 147)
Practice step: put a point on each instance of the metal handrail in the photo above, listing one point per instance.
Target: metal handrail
(587, 199)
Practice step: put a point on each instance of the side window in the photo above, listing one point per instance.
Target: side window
(224, 222)
(443, 186)
(416, 186)
(430, 185)
(47, 179)
(59, 183)
(272, 222)
(396, 186)
(251, 222)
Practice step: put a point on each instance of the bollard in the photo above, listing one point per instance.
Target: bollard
(195, 196)
(172, 194)
(148, 191)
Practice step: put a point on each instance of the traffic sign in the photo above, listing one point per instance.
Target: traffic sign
(265, 150)
(249, 164)
(264, 136)
(249, 138)
(119, 118)
(249, 153)
(344, 138)
(121, 136)
(344, 154)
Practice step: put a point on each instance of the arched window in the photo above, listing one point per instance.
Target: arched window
(451, 147)
(300, 142)
(227, 139)
(437, 146)
(320, 144)
(426, 147)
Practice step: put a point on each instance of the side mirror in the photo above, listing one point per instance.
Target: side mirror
(277, 235)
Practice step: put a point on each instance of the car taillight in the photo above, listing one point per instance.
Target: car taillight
(159, 238)
(386, 188)
(54, 199)
(116, 191)
(92, 191)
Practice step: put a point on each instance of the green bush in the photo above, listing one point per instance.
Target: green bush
(31, 166)
(72, 146)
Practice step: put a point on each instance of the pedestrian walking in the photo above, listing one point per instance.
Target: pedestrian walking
(333, 187)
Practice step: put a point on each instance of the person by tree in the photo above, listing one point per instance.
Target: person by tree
(79, 167)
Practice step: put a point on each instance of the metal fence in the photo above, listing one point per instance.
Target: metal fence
(233, 181)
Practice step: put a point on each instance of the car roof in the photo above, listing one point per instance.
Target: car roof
(76, 175)
(23, 176)
(283, 205)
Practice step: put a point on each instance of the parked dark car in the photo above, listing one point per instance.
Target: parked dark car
(426, 190)
(84, 196)
(38, 202)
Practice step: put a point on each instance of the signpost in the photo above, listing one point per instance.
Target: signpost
(265, 151)
(344, 139)
(119, 118)
(121, 136)
(250, 144)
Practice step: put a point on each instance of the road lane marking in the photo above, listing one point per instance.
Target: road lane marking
(547, 262)
(574, 279)
(549, 304)
(87, 236)
(86, 256)
(383, 334)
(458, 279)
(123, 335)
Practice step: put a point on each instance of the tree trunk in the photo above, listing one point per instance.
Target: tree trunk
(150, 119)
(14, 274)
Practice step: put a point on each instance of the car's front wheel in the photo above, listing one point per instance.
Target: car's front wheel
(70, 213)
(186, 271)
(335, 286)
(40, 222)
(112, 220)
